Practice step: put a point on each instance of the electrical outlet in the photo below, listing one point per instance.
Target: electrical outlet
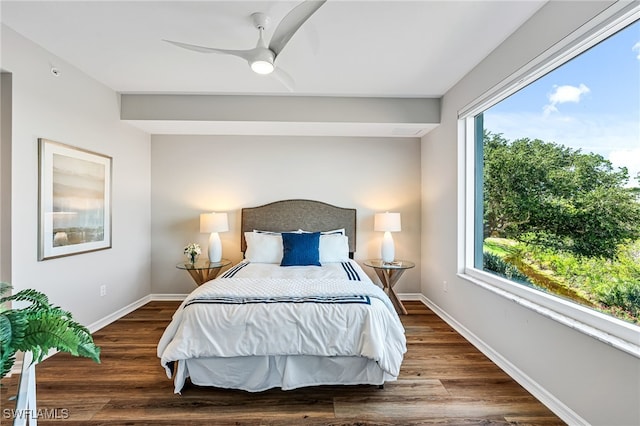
(445, 286)
(103, 290)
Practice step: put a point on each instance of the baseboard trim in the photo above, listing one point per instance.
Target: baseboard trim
(168, 297)
(544, 396)
(411, 296)
(101, 323)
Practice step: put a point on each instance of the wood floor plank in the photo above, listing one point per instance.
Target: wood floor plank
(444, 380)
(479, 388)
(407, 388)
(360, 408)
(83, 409)
(184, 409)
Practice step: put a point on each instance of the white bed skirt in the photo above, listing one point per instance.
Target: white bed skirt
(256, 374)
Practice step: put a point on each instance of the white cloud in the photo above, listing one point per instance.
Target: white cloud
(629, 158)
(636, 48)
(563, 94)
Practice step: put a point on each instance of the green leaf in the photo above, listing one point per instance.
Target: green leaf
(28, 295)
(38, 328)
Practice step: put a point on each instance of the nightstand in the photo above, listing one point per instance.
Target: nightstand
(203, 270)
(389, 274)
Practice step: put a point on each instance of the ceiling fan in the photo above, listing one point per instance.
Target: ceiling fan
(262, 58)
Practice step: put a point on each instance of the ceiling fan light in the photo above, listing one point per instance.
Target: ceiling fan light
(262, 67)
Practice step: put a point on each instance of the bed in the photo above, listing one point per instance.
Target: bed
(298, 311)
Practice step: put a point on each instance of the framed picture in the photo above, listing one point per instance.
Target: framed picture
(74, 200)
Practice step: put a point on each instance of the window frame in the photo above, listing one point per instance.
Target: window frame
(610, 330)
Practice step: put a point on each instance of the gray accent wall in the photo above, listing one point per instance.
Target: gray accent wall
(198, 174)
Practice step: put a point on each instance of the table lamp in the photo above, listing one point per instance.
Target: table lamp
(214, 223)
(388, 223)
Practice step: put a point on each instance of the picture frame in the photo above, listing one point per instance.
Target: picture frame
(74, 200)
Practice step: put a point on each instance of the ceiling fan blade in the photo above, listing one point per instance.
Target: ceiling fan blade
(292, 23)
(284, 78)
(244, 54)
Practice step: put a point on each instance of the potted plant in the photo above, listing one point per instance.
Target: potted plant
(37, 328)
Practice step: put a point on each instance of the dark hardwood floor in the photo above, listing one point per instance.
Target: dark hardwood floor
(443, 380)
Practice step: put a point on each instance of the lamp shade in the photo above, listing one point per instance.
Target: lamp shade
(387, 222)
(214, 222)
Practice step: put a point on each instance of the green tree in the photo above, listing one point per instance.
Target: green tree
(558, 197)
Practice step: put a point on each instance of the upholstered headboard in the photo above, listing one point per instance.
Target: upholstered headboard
(291, 215)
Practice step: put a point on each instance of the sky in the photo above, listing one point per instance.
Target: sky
(591, 102)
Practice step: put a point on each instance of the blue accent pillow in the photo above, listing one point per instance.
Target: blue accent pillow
(300, 249)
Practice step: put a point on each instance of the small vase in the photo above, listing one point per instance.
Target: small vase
(193, 257)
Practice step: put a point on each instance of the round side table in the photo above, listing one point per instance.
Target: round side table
(389, 274)
(203, 270)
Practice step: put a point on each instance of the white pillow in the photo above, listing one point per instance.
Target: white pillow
(334, 248)
(263, 247)
(274, 232)
(340, 231)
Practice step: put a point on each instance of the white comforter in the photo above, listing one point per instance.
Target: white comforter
(262, 309)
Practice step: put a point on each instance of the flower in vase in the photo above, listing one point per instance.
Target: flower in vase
(192, 251)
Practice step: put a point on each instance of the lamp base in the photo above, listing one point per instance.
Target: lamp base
(215, 247)
(387, 249)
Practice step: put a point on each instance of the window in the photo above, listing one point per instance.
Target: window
(553, 185)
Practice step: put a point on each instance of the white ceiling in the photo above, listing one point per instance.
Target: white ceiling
(348, 48)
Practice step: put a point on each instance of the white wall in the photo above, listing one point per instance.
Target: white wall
(76, 110)
(593, 381)
(196, 174)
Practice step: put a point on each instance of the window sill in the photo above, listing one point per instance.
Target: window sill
(618, 334)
